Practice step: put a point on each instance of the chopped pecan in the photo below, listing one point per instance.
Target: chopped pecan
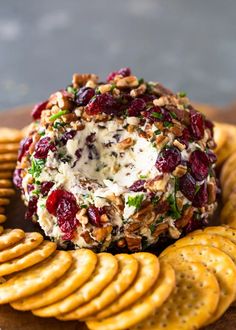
(121, 243)
(146, 215)
(158, 183)
(166, 100)
(160, 90)
(101, 233)
(79, 80)
(139, 90)
(134, 242)
(86, 237)
(117, 201)
(211, 188)
(179, 145)
(130, 128)
(127, 82)
(125, 144)
(82, 217)
(132, 227)
(104, 88)
(161, 228)
(162, 206)
(176, 129)
(91, 84)
(174, 232)
(180, 170)
(161, 141)
(68, 118)
(104, 218)
(187, 216)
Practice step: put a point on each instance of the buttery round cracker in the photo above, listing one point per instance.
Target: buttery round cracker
(2, 210)
(84, 263)
(216, 261)
(10, 135)
(229, 208)
(4, 201)
(229, 146)
(128, 267)
(27, 244)
(216, 241)
(4, 183)
(5, 175)
(36, 278)
(9, 237)
(11, 157)
(105, 271)
(227, 168)
(191, 304)
(224, 231)
(229, 185)
(231, 221)
(7, 192)
(43, 251)
(9, 148)
(148, 272)
(144, 307)
(7, 166)
(220, 136)
(3, 218)
(1, 229)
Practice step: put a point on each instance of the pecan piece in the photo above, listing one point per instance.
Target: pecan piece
(211, 188)
(134, 242)
(187, 216)
(161, 228)
(125, 144)
(158, 183)
(180, 170)
(80, 79)
(139, 90)
(127, 82)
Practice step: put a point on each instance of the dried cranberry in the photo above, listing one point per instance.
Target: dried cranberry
(30, 187)
(199, 164)
(94, 214)
(187, 186)
(32, 208)
(53, 200)
(211, 157)
(102, 103)
(37, 110)
(186, 137)
(193, 224)
(197, 124)
(168, 159)
(147, 97)
(17, 179)
(124, 72)
(201, 197)
(78, 153)
(138, 186)
(84, 95)
(90, 138)
(45, 187)
(136, 107)
(24, 147)
(43, 147)
(67, 136)
(158, 114)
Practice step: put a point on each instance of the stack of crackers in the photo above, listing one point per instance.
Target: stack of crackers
(190, 285)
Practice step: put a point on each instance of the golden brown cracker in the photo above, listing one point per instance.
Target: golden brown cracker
(9, 237)
(10, 135)
(229, 165)
(5, 158)
(4, 201)
(6, 175)
(9, 148)
(6, 192)
(5, 167)
(3, 218)
(4, 183)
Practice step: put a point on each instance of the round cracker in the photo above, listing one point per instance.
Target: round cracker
(229, 146)
(104, 273)
(9, 148)
(231, 221)
(7, 166)
(11, 157)
(229, 208)
(4, 201)
(36, 278)
(3, 218)
(6, 175)
(4, 183)
(144, 307)
(2, 210)
(229, 185)
(148, 272)
(10, 237)
(128, 267)
(228, 166)
(27, 244)
(43, 251)
(191, 304)
(10, 135)
(216, 261)
(84, 263)
(216, 241)
(224, 231)
(7, 192)
(1, 230)
(220, 136)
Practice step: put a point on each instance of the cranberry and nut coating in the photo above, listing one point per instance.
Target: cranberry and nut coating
(120, 163)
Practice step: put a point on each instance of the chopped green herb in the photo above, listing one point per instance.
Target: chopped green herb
(72, 90)
(174, 212)
(160, 219)
(182, 94)
(84, 206)
(97, 91)
(157, 132)
(113, 86)
(42, 206)
(58, 124)
(143, 176)
(41, 133)
(152, 227)
(167, 124)
(155, 200)
(36, 192)
(36, 167)
(135, 201)
(197, 188)
(140, 81)
(157, 115)
(58, 115)
(173, 114)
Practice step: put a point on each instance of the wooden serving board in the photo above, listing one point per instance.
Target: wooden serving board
(13, 320)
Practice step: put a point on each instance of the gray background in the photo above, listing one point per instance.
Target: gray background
(188, 45)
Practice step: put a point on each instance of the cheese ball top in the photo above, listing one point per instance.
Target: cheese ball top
(117, 163)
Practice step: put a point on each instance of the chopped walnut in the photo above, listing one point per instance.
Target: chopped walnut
(68, 118)
(179, 145)
(101, 233)
(161, 141)
(104, 88)
(82, 217)
(180, 170)
(157, 184)
(79, 80)
(127, 82)
(125, 144)
(139, 90)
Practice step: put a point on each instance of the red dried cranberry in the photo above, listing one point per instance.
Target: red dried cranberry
(186, 137)
(84, 95)
(138, 186)
(201, 198)
(94, 214)
(78, 153)
(37, 110)
(211, 156)
(67, 136)
(30, 187)
(158, 114)
(197, 124)
(45, 187)
(199, 164)
(168, 160)
(187, 186)
(43, 147)
(147, 97)
(32, 208)
(90, 138)
(124, 72)
(17, 179)
(24, 147)
(53, 200)
(102, 103)
(136, 107)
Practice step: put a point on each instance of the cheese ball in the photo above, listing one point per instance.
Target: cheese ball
(120, 163)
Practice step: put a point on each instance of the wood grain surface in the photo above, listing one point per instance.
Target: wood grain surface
(14, 320)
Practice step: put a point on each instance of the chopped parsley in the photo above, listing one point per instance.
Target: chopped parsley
(140, 81)
(72, 90)
(58, 124)
(173, 114)
(197, 188)
(167, 124)
(143, 176)
(41, 133)
(84, 206)
(157, 115)
(155, 200)
(157, 132)
(182, 94)
(35, 192)
(58, 115)
(113, 86)
(135, 201)
(152, 227)
(36, 167)
(174, 212)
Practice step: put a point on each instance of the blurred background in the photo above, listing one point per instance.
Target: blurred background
(187, 45)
